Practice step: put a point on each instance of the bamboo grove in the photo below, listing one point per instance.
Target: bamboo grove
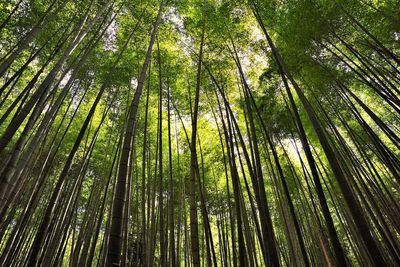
(199, 133)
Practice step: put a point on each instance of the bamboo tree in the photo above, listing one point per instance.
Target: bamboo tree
(114, 247)
(172, 257)
(193, 158)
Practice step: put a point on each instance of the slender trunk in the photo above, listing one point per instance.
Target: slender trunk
(114, 246)
(194, 232)
(172, 258)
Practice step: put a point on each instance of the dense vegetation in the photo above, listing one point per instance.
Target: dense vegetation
(199, 133)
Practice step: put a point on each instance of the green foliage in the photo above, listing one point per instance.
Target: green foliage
(307, 35)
